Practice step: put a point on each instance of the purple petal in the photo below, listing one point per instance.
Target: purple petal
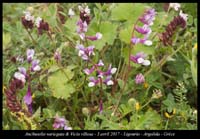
(139, 79)
(22, 70)
(28, 97)
(135, 40)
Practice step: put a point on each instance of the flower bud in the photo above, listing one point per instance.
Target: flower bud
(132, 101)
(85, 111)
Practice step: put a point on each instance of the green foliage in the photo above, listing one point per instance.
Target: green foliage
(59, 83)
(108, 30)
(150, 120)
(61, 88)
(133, 11)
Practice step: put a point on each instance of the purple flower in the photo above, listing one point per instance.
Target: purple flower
(89, 71)
(110, 71)
(135, 40)
(143, 30)
(148, 17)
(100, 64)
(35, 66)
(30, 53)
(139, 79)
(21, 75)
(84, 53)
(28, 99)
(22, 70)
(94, 38)
(81, 26)
(139, 58)
(60, 123)
(108, 81)
(93, 82)
(57, 56)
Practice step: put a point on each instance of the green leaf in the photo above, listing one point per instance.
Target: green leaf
(125, 34)
(108, 31)
(36, 115)
(127, 11)
(142, 48)
(71, 26)
(169, 102)
(6, 40)
(58, 83)
(48, 113)
(150, 120)
(51, 15)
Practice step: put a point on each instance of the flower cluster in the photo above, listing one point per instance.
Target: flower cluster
(41, 25)
(102, 77)
(139, 58)
(85, 52)
(139, 79)
(28, 22)
(84, 14)
(147, 19)
(61, 123)
(156, 94)
(22, 76)
(166, 37)
(11, 97)
(82, 25)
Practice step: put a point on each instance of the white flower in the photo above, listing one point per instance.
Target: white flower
(176, 6)
(140, 60)
(71, 12)
(87, 10)
(146, 63)
(113, 70)
(80, 8)
(37, 21)
(148, 42)
(36, 68)
(82, 36)
(184, 16)
(28, 16)
(100, 63)
(110, 82)
(91, 84)
(98, 35)
(20, 76)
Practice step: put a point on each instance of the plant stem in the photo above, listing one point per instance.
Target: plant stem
(34, 42)
(146, 104)
(128, 69)
(162, 62)
(166, 124)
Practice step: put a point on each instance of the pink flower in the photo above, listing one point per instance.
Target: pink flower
(98, 36)
(143, 30)
(139, 79)
(28, 99)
